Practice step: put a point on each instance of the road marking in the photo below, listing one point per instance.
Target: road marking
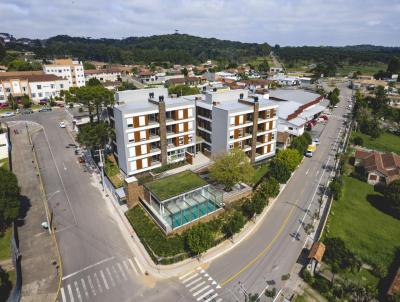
(138, 264)
(197, 286)
(98, 282)
(185, 275)
(77, 290)
(70, 293)
(277, 295)
(127, 267)
(193, 282)
(116, 274)
(122, 271)
(85, 288)
(133, 266)
(104, 279)
(86, 268)
(219, 300)
(201, 290)
(63, 294)
(313, 196)
(308, 170)
(91, 285)
(213, 297)
(111, 278)
(205, 294)
(190, 278)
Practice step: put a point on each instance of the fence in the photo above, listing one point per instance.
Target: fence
(15, 294)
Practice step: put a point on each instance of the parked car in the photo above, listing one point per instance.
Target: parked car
(60, 104)
(308, 154)
(8, 114)
(27, 111)
(4, 105)
(45, 109)
(81, 160)
(325, 117)
(43, 101)
(62, 125)
(316, 141)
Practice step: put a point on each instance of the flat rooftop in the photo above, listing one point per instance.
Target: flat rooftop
(174, 185)
(295, 95)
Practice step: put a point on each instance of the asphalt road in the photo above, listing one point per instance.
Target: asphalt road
(99, 266)
(97, 262)
(260, 261)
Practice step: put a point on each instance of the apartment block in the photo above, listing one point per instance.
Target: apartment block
(235, 119)
(69, 69)
(103, 75)
(36, 85)
(152, 130)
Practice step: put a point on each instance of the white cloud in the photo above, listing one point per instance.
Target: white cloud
(289, 22)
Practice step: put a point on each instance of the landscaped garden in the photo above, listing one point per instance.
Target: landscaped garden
(259, 172)
(5, 244)
(112, 171)
(175, 184)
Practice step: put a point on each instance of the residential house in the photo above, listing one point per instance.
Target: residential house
(103, 75)
(380, 168)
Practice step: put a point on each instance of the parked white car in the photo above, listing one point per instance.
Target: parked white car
(62, 125)
(8, 114)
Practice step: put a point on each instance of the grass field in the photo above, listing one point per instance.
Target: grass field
(5, 242)
(386, 142)
(365, 69)
(259, 172)
(367, 231)
(4, 163)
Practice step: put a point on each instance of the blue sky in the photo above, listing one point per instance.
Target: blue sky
(285, 22)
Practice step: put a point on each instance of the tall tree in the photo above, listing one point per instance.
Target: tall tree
(95, 135)
(231, 168)
(394, 65)
(9, 198)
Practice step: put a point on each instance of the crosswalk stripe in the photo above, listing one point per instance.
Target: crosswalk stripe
(197, 286)
(219, 300)
(190, 278)
(111, 278)
(127, 267)
(205, 294)
(91, 285)
(85, 288)
(98, 282)
(122, 271)
(185, 275)
(104, 279)
(201, 290)
(138, 265)
(71, 296)
(116, 274)
(62, 294)
(133, 266)
(78, 292)
(212, 297)
(193, 282)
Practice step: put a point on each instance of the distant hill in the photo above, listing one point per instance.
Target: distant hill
(175, 48)
(356, 54)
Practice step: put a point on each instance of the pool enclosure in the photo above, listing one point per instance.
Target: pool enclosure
(179, 210)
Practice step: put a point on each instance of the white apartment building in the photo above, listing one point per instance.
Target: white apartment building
(152, 130)
(33, 84)
(71, 70)
(103, 75)
(235, 119)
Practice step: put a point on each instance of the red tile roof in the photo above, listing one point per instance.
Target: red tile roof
(317, 251)
(30, 76)
(395, 285)
(387, 164)
(104, 70)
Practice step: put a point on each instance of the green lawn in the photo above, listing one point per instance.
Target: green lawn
(4, 163)
(175, 184)
(367, 231)
(259, 172)
(112, 171)
(386, 142)
(5, 248)
(365, 69)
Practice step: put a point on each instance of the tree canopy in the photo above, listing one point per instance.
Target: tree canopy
(392, 193)
(199, 238)
(181, 90)
(95, 135)
(231, 168)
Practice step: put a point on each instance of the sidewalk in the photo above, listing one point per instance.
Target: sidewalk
(39, 255)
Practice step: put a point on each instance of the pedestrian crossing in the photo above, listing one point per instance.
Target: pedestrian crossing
(201, 286)
(88, 285)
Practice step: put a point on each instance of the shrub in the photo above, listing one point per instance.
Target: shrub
(199, 239)
(280, 171)
(269, 187)
(285, 277)
(234, 224)
(291, 157)
(248, 208)
(336, 187)
(321, 284)
(306, 275)
(358, 140)
(270, 293)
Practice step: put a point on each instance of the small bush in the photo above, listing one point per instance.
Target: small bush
(321, 284)
(285, 277)
(358, 140)
(270, 293)
(306, 275)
